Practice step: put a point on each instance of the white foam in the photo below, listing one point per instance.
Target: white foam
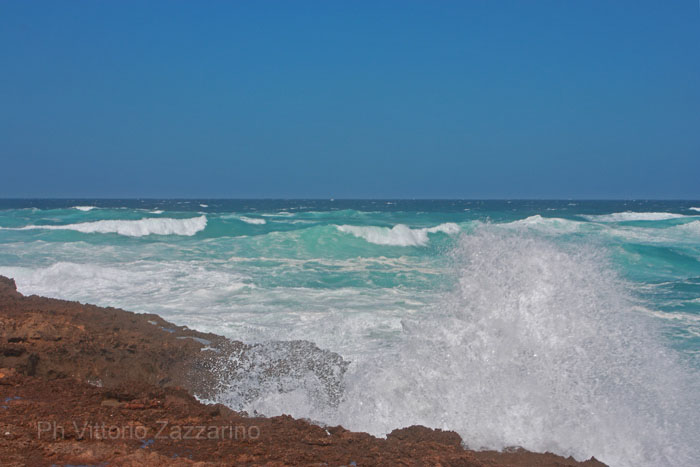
(253, 220)
(399, 235)
(690, 227)
(678, 234)
(279, 214)
(157, 211)
(167, 288)
(539, 346)
(634, 216)
(687, 318)
(695, 209)
(131, 228)
(204, 205)
(545, 224)
(222, 297)
(85, 208)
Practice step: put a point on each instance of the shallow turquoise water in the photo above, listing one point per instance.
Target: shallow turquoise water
(376, 281)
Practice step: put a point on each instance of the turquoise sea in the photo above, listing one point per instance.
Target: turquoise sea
(568, 326)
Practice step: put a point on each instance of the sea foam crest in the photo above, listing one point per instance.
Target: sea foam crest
(692, 228)
(634, 216)
(545, 224)
(132, 228)
(399, 235)
(253, 220)
(85, 208)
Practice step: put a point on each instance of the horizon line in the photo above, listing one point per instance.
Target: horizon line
(332, 199)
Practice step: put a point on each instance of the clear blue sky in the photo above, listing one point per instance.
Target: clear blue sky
(482, 99)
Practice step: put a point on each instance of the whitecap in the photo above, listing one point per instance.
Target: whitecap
(279, 214)
(634, 216)
(545, 224)
(691, 228)
(130, 228)
(399, 235)
(253, 220)
(84, 208)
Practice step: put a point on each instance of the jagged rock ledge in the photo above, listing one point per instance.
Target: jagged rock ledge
(81, 384)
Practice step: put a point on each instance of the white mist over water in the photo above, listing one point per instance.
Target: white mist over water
(539, 346)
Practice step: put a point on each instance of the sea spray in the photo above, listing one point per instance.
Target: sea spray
(538, 346)
(278, 371)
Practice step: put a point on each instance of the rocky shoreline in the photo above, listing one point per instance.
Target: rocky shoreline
(81, 384)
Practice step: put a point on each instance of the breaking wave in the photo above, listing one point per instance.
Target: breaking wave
(546, 224)
(634, 216)
(253, 220)
(85, 208)
(692, 228)
(538, 346)
(131, 228)
(399, 235)
(144, 286)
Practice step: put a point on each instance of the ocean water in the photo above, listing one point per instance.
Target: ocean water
(567, 326)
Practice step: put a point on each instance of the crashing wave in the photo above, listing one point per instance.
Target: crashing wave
(249, 375)
(84, 208)
(131, 228)
(545, 224)
(399, 235)
(539, 346)
(253, 220)
(690, 227)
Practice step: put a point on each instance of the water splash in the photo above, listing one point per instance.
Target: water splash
(539, 346)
